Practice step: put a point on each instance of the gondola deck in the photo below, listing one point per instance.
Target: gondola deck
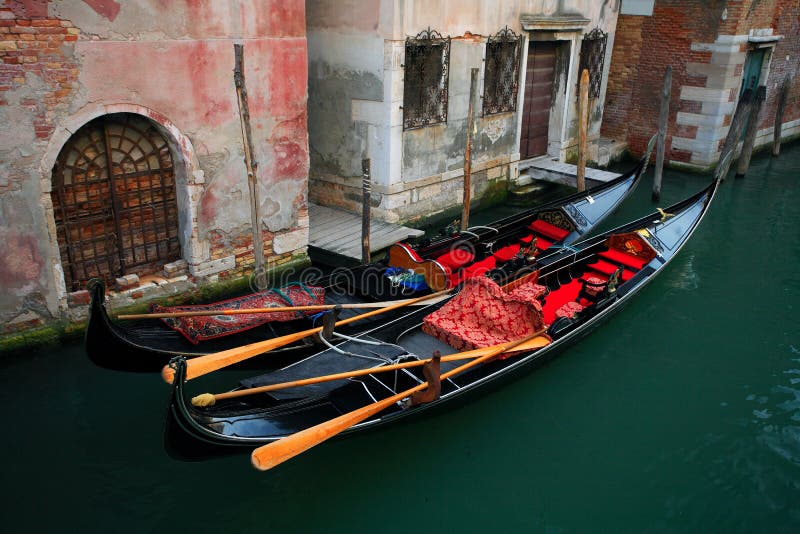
(147, 345)
(250, 421)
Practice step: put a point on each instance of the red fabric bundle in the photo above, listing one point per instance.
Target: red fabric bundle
(482, 314)
(200, 328)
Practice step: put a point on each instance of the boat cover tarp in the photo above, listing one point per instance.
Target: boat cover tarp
(200, 328)
(482, 314)
(356, 356)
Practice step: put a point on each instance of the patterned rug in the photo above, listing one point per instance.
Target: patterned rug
(200, 328)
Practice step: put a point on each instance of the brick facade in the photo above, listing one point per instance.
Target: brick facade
(706, 43)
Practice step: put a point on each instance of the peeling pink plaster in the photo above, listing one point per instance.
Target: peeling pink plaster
(105, 8)
(191, 81)
(287, 18)
(22, 263)
(289, 78)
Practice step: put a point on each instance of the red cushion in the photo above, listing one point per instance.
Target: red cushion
(455, 259)
(479, 268)
(624, 258)
(548, 230)
(526, 239)
(506, 253)
(569, 309)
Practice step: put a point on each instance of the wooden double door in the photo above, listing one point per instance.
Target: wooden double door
(538, 98)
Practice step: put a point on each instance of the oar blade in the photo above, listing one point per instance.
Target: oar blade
(269, 455)
(211, 362)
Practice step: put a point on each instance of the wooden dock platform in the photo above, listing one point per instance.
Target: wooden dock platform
(338, 232)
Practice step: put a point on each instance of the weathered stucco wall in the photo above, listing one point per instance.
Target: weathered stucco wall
(356, 53)
(67, 62)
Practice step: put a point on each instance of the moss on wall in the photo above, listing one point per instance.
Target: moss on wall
(67, 330)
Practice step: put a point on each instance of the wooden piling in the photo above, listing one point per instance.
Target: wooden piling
(251, 165)
(366, 194)
(752, 130)
(583, 129)
(662, 133)
(734, 133)
(473, 93)
(782, 97)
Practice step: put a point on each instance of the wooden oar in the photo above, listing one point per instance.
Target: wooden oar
(246, 311)
(269, 455)
(209, 399)
(211, 362)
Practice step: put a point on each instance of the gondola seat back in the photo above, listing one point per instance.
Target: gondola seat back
(437, 276)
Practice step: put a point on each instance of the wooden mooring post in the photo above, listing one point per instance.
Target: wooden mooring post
(750, 133)
(734, 133)
(366, 197)
(662, 133)
(782, 97)
(251, 165)
(583, 130)
(473, 93)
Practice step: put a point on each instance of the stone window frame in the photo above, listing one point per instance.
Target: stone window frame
(426, 89)
(500, 91)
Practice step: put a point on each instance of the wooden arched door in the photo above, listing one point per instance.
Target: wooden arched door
(114, 200)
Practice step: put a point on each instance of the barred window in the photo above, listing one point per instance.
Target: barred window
(501, 75)
(593, 54)
(425, 85)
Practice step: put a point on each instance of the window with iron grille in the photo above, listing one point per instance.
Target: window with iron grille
(425, 85)
(501, 74)
(593, 54)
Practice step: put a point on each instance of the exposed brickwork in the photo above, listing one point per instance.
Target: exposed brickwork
(35, 47)
(644, 46)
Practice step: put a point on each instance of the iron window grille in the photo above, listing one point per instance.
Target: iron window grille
(427, 76)
(501, 74)
(593, 54)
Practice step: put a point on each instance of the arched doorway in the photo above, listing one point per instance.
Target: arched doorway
(114, 200)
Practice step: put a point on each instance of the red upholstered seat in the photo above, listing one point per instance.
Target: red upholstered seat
(608, 268)
(526, 239)
(543, 244)
(482, 314)
(506, 253)
(455, 259)
(548, 230)
(624, 258)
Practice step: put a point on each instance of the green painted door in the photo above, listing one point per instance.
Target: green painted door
(752, 70)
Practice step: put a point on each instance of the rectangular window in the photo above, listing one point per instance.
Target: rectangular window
(501, 75)
(425, 84)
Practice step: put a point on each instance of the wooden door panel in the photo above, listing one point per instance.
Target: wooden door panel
(537, 100)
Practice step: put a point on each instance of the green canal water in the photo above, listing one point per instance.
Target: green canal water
(681, 415)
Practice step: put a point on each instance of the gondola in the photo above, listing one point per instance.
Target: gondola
(577, 290)
(147, 345)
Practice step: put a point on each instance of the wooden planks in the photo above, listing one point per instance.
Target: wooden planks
(339, 232)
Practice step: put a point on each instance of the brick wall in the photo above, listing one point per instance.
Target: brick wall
(35, 46)
(706, 44)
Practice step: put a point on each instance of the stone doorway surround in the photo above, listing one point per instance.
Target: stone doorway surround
(189, 180)
(568, 30)
(710, 108)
